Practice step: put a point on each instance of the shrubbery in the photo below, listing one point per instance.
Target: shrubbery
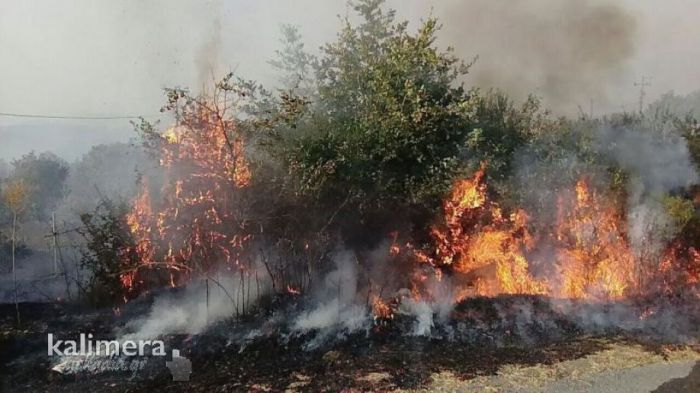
(367, 138)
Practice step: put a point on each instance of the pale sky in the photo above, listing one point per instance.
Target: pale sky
(105, 57)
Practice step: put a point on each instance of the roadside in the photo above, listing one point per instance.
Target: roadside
(621, 368)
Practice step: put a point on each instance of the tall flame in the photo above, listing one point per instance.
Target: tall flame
(475, 239)
(491, 253)
(593, 255)
(197, 224)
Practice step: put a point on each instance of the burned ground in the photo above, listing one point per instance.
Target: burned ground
(480, 337)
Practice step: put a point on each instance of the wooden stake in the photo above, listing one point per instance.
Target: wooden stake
(55, 245)
(14, 268)
(206, 282)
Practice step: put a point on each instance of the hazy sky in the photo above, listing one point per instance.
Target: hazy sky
(105, 57)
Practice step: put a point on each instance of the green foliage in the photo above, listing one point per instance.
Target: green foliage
(679, 209)
(619, 182)
(109, 250)
(44, 175)
(295, 65)
(499, 128)
(390, 119)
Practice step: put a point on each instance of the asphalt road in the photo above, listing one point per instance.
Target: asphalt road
(682, 377)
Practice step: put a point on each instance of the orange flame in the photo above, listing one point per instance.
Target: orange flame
(482, 245)
(381, 310)
(196, 225)
(594, 257)
(490, 254)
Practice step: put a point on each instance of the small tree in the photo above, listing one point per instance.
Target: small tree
(109, 252)
(388, 123)
(14, 194)
(43, 176)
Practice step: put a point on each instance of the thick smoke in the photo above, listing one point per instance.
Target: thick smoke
(335, 303)
(662, 162)
(193, 308)
(568, 52)
(658, 164)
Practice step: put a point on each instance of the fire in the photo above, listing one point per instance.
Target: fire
(593, 256)
(197, 225)
(171, 135)
(680, 266)
(380, 310)
(138, 221)
(485, 249)
(490, 253)
(394, 249)
(475, 240)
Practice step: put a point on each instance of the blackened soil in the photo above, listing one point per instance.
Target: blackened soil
(479, 336)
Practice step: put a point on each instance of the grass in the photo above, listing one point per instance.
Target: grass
(617, 356)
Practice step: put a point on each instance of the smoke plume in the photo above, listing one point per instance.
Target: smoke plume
(567, 52)
(658, 164)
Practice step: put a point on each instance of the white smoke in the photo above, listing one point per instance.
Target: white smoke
(662, 162)
(340, 303)
(423, 312)
(336, 304)
(658, 163)
(191, 310)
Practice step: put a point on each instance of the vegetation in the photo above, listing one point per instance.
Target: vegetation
(43, 176)
(109, 251)
(365, 138)
(389, 124)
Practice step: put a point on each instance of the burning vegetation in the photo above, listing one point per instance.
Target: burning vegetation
(589, 255)
(197, 226)
(355, 154)
(375, 196)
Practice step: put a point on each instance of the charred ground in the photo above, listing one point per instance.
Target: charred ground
(478, 339)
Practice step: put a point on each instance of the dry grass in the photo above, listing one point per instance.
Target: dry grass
(515, 377)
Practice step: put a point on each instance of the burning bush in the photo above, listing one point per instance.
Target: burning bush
(201, 221)
(255, 184)
(208, 213)
(109, 255)
(589, 253)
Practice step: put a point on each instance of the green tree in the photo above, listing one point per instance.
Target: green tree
(390, 119)
(44, 176)
(109, 252)
(294, 64)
